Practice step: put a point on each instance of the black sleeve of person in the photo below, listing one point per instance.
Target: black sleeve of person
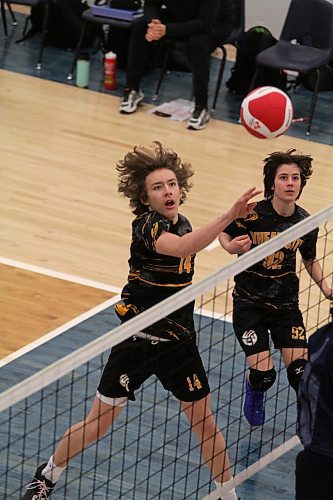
(308, 247)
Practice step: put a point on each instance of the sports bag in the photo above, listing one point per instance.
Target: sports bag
(253, 41)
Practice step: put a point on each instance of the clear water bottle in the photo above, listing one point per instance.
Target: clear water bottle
(82, 70)
(110, 71)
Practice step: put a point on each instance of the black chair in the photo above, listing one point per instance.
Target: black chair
(89, 17)
(306, 43)
(3, 15)
(28, 3)
(232, 39)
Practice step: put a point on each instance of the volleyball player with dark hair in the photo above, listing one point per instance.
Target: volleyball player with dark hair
(161, 262)
(265, 296)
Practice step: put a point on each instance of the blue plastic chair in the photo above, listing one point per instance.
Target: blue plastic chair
(306, 43)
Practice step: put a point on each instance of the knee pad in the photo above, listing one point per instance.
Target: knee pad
(295, 371)
(262, 380)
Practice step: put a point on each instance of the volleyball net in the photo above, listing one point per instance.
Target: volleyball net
(150, 451)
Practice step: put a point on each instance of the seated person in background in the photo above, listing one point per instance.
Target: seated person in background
(314, 464)
(203, 24)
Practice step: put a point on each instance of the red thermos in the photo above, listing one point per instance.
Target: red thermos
(110, 71)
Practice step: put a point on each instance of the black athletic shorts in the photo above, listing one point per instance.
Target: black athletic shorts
(177, 365)
(254, 324)
(314, 476)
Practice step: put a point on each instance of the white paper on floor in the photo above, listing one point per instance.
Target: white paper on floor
(179, 110)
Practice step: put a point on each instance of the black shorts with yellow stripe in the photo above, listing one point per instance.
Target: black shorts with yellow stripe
(177, 365)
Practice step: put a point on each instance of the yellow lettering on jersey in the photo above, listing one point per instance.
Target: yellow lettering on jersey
(294, 245)
(154, 230)
(195, 383)
(274, 261)
(190, 386)
(185, 264)
(297, 333)
(261, 237)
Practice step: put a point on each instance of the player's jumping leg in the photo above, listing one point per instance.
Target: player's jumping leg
(261, 377)
(75, 439)
(212, 444)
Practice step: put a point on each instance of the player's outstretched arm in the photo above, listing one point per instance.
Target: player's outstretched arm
(314, 269)
(188, 244)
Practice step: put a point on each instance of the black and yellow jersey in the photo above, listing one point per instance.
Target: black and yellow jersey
(154, 277)
(272, 281)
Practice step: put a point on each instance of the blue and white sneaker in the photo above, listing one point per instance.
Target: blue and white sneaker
(130, 101)
(199, 119)
(254, 406)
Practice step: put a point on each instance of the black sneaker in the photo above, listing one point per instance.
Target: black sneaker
(40, 488)
(199, 119)
(130, 101)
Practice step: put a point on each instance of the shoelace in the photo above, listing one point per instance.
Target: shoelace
(43, 489)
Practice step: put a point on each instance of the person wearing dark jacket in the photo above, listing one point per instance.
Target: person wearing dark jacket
(314, 464)
(202, 24)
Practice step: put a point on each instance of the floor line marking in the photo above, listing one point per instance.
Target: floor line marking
(59, 330)
(59, 275)
(255, 467)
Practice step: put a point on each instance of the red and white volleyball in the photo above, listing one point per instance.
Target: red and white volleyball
(266, 112)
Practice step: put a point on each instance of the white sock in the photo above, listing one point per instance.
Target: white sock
(52, 472)
(231, 495)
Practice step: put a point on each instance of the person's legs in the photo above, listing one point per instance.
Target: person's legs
(213, 447)
(295, 361)
(137, 54)
(80, 435)
(75, 439)
(250, 327)
(260, 378)
(212, 443)
(112, 394)
(200, 62)
(289, 335)
(136, 63)
(181, 371)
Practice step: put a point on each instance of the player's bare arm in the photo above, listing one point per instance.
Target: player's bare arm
(191, 243)
(314, 269)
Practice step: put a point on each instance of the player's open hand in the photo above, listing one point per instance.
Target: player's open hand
(241, 208)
